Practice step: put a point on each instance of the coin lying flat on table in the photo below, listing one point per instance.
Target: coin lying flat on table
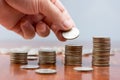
(71, 34)
(45, 71)
(29, 66)
(83, 68)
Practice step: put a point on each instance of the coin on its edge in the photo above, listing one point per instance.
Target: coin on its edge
(83, 69)
(45, 71)
(71, 34)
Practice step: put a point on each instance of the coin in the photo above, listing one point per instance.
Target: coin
(101, 55)
(83, 68)
(99, 39)
(45, 71)
(71, 34)
(73, 54)
(73, 58)
(47, 53)
(72, 63)
(32, 58)
(47, 62)
(101, 65)
(101, 51)
(101, 62)
(19, 62)
(18, 57)
(29, 66)
(47, 57)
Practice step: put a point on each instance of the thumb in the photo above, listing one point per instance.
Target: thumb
(53, 15)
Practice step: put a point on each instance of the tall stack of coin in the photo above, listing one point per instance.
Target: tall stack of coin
(47, 57)
(101, 51)
(73, 55)
(18, 57)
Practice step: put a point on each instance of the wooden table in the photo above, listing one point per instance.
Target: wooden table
(13, 72)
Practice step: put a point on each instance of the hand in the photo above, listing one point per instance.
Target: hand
(17, 21)
(52, 15)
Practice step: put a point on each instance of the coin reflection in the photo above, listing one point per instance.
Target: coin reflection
(16, 70)
(101, 73)
(71, 74)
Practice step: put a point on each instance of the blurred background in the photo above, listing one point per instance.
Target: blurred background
(92, 17)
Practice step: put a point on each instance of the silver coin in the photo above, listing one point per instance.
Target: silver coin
(72, 34)
(45, 71)
(83, 68)
(29, 66)
(32, 58)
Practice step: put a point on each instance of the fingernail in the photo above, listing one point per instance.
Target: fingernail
(67, 24)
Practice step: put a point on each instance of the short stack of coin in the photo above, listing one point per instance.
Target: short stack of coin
(101, 51)
(73, 55)
(47, 57)
(18, 57)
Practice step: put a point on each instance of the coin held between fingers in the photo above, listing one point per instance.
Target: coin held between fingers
(71, 34)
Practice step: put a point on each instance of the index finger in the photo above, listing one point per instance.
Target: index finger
(58, 4)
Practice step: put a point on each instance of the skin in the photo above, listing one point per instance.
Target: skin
(28, 17)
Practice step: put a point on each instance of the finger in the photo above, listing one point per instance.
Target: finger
(17, 29)
(24, 6)
(52, 13)
(42, 29)
(58, 5)
(58, 33)
(33, 19)
(27, 30)
(56, 17)
(36, 18)
(46, 7)
(69, 18)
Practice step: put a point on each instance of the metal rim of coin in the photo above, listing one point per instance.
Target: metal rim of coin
(76, 46)
(101, 38)
(52, 61)
(71, 34)
(100, 62)
(32, 58)
(47, 53)
(45, 71)
(83, 68)
(100, 65)
(71, 64)
(29, 66)
(34, 54)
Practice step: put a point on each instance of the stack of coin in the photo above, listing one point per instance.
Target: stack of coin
(101, 51)
(73, 55)
(18, 57)
(47, 57)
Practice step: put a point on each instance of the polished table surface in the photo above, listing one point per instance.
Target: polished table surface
(13, 72)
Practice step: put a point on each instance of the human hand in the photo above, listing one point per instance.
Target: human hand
(18, 22)
(52, 15)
